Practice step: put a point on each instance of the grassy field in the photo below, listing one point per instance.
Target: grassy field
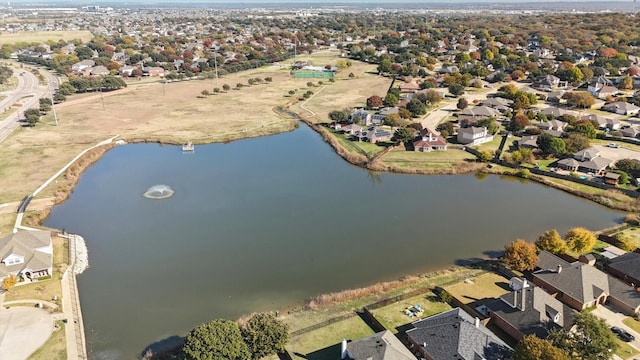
(393, 316)
(55, 348)
(46, 289)
(324, 343)
(427, 160)
(358, 146)
(44, 36)
(632, 323)
(625, 350)
(485, 286)
(633, 234)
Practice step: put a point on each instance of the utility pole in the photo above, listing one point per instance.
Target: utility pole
(215, 63)
(101, 98)
(55, 116)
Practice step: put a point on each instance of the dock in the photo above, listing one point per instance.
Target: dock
(189, 147)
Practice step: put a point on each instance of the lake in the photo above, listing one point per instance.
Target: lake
(264, 223)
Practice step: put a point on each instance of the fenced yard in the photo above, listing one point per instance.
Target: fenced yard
(394, 315)
(485, 286)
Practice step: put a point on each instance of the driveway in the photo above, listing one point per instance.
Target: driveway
(23, 330)
(617, 154)
(614, 318)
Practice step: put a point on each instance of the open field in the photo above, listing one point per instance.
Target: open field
(393, 316)
(345, 92)
(44, 36)
(55, 348)
(485, 286)
(173, 113)
(324, 343)
(435, 160)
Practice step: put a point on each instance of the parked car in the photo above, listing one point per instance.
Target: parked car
(613, 145)
(623, 334)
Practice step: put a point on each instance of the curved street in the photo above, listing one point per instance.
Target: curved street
(27, 93)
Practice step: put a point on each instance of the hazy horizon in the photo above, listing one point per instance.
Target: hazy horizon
(98, 2)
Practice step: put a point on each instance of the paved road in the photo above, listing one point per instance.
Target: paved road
(614, 318)
(23, 330)
(28, 92)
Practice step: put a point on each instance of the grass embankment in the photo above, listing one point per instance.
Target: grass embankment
(46, 289)
(611, 198)
(55, 348)
(451, 161)
(625, 350)
(44, 36)
(632, 323)
(341, 305)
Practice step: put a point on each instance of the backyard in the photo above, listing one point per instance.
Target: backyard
(395, 315)
(478, 289)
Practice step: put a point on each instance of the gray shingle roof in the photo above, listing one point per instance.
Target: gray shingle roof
(25, 244)
(454, 335)
(532, 311)
(628, 264)
(381, 346)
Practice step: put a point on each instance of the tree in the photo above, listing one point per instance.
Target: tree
(239, 85)
(374, 101)
(205, 93)
(532, 347)
(433, 96)
(484, 155)
(9, 282)
(45, 104)
(456, 89)
(580, 240)
(352, 75)
(490, 124)
(403, 135)
(416, 107)
(216, 340)
(265, 335)
(226, 87)
(522, 155)
(518, 122)
(390, 100)
(626, 83)
(268, 79)
(552, 242)
(462, 103)
(216, 90)
(630, 166)
(579, 99)
(576, 142)
(338, 116)
(592, 339)
(585, 129)
(520, 255)
(551, 145)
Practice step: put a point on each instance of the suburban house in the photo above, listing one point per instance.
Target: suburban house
(429, 141)
(351, 129)
(472, 115)
(611, 178)
(569, 164)
(152, 71)
(581, 286)
(589, 160)
(555, 96)
(455, 334)
(409, 87)
(27, 254)
(601, 87)
(622, 108)
(548, 83)
(380, 346)
(375, 134)
(528, 141)
(632, 131)
(360, 117)
(529, 310)
(500, 104)
(474, 136)
(553, 127)
(554, 112)
(626, 267)
(83, 65)
(603, 122)
(99, 71)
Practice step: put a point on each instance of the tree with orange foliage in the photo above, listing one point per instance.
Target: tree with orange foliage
(520, 255)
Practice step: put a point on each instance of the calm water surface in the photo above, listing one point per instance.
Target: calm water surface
(263, 223)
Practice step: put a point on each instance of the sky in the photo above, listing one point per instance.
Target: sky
(177, 2)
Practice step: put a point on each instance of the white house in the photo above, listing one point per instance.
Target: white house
(622, 108)
(474, 135)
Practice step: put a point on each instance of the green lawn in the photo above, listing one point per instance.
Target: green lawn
(494, 144)
(415, 159)
(485, 286)
(632, 323)
(625, 350)
(55, 348)
(393, 316)
(321, 344)
(633, 234)
(357, 146)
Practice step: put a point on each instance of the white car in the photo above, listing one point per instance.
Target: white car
(613, 145)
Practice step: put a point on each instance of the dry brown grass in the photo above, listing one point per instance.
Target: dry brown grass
(43, 36)
(353, 294)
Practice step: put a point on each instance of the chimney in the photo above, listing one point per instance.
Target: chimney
(343, 352)
(559, 269)
(477, 323)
